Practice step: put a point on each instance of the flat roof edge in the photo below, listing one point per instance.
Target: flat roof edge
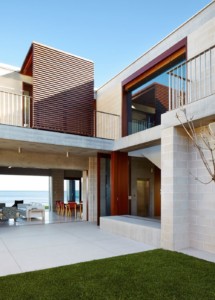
(65, 52)
(154, 46)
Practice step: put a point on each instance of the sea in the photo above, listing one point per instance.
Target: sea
(9, 197)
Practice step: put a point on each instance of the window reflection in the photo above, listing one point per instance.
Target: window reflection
(149, 100)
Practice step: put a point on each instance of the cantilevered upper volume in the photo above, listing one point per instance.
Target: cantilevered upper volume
(62, 91)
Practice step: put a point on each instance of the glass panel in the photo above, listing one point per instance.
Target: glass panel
(149, 100)
(71, 190)
(105, 207)
(143, 198)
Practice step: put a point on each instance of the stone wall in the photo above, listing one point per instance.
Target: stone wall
(174, 189)
(201, 203)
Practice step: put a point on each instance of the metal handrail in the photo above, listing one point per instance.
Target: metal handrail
(15, 109)
(192, 80)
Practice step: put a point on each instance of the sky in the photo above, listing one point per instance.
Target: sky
(24, 183)
(111, 33)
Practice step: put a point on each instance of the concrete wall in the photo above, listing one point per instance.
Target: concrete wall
(174, 189)
(56, 187)
(201, 39)
(41, 160)
(201, 202)
(92, 189)
(188, 206)
(84, 193)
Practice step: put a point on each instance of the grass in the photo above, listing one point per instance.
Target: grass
(156, 274)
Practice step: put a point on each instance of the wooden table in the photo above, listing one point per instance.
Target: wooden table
(33, 211)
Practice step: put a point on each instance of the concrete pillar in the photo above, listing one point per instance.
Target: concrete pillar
(84, 193)
(174, 189)
(92, 190)
(56, 187)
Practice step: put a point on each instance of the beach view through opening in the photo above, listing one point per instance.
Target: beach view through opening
(32, 189)
(26, 188)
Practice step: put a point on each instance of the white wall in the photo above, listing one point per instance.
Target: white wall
(11, 80)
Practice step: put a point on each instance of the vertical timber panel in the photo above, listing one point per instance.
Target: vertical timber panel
(119, 183)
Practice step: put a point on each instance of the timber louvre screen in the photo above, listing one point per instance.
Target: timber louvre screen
(63, 94)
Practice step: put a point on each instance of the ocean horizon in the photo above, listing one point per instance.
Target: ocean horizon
(9, 197)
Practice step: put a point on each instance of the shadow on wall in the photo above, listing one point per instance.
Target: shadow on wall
(71, 111)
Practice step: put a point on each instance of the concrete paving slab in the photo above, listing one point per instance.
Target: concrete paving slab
(36, 247)
(199, 254)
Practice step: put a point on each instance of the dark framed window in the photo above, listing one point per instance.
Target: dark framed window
(146, 92)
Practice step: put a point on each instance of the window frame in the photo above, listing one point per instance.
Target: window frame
(172, 54)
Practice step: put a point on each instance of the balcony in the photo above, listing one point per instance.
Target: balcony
(15, 109)
(107, 125)
(192, 80)
(139, 125)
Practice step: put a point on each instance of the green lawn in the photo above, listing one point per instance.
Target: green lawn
(157, 274)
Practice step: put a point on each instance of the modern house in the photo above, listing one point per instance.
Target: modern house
(123, 142)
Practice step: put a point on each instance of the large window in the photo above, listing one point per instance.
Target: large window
(146, 96)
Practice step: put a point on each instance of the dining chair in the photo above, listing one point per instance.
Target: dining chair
(58, 207)
(62, 208)
(70, 207)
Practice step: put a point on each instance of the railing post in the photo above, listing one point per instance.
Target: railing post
(170, 94)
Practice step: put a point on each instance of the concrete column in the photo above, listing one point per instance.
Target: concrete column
(84, 193)
(56, 187)
(92, 190)
(174, 189)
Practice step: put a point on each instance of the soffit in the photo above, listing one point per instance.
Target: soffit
(38, 141)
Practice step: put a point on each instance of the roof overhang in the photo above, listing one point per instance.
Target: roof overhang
(27, 66)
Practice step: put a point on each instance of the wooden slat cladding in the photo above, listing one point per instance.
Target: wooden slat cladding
(63, 91)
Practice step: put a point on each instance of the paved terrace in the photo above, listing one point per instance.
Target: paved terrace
(36, 247)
